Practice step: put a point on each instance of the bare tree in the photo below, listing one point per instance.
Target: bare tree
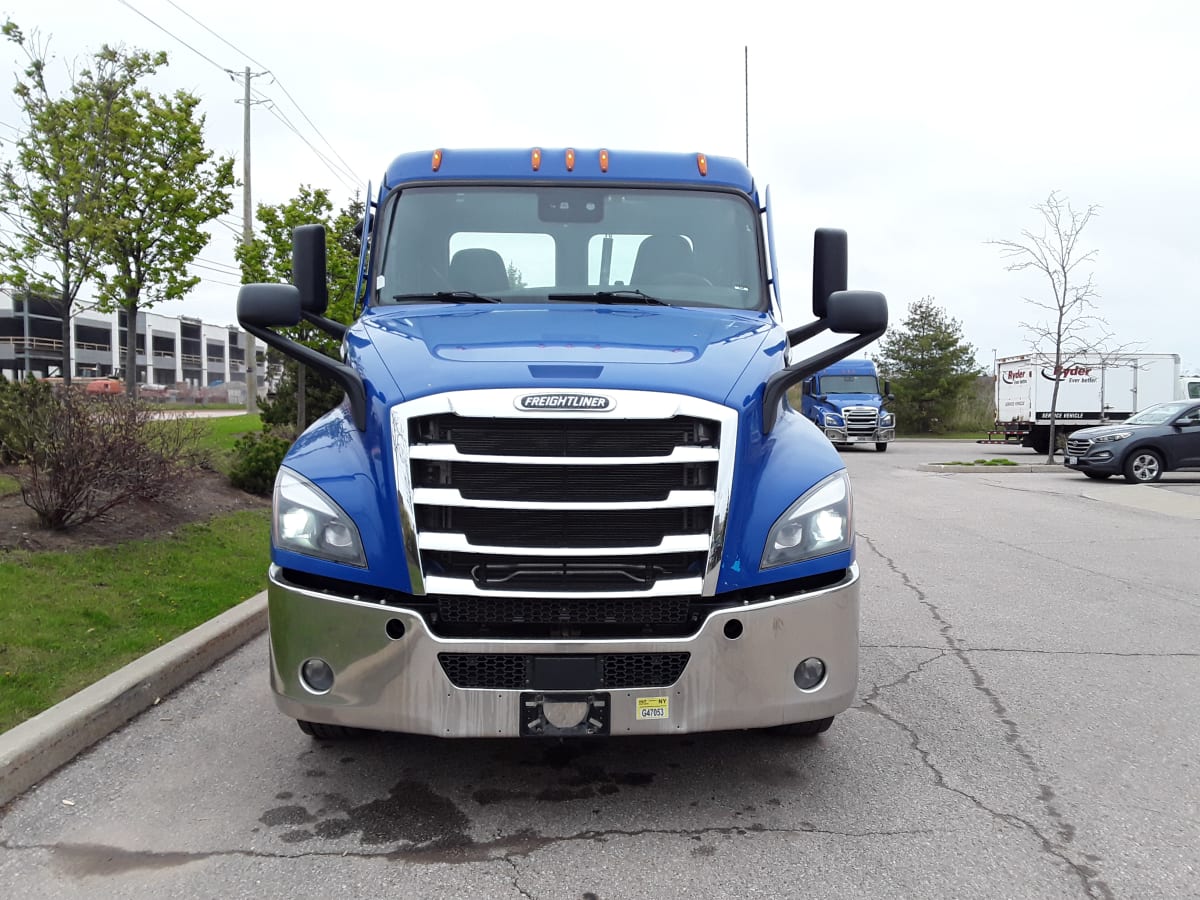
(1071, 326)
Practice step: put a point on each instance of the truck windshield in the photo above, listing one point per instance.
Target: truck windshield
(540, 244)
(849, 384)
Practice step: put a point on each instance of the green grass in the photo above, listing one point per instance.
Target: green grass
(8, 485)
(222, 432)
(981, 462)
(72, 618)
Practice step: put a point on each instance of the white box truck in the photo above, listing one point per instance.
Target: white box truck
(1094, 389)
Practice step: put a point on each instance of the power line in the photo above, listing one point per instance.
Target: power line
(270, 107)
(275, 78)
(175, 37)
(217, 262)
(282, 116)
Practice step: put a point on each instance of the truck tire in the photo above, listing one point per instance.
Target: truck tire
(1143, 467)
(323, 732)
(803, 729)
(881, 446)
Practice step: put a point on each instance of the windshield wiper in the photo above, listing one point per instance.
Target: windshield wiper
(629, 295)
(448, 297)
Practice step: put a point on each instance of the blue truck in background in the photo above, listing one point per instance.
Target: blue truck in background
(565, 493)
(845, 401)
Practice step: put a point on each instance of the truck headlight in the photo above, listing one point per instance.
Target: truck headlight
(1108, 438)
(886, 420)
(304, 520)
(833, 420)
(817, 524)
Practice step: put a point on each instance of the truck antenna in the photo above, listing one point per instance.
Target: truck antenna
(746, 72)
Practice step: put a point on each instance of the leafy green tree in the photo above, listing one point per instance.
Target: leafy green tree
(166, 187)
(515, 278)
(300, 396)
(53, 188)
(930, 367)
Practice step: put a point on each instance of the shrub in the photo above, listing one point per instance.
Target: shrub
(82, 455)
(256, 461)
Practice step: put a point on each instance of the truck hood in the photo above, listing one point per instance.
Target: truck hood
(700, 352)
(841, 401)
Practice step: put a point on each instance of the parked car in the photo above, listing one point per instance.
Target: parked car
(1160, 438)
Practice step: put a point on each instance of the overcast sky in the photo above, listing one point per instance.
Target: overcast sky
(924, 129)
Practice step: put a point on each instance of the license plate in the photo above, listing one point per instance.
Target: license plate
(1071, 460)
(855, 440)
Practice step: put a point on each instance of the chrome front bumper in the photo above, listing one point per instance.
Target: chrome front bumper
(878, 436)
(394, 683)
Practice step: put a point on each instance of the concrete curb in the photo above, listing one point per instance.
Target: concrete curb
(37, 747)
(1024, 468)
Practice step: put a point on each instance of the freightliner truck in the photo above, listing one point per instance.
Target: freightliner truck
(564, 494)
(844, 401)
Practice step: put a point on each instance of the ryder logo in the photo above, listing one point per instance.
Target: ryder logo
(1067, 372)
(1016, 376)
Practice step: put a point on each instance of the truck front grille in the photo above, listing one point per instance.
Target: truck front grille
(514, 508)
(611, 671)
(861, 421)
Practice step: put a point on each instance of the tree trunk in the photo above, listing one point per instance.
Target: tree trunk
(301, 405)
(131, 308)
(66, 343)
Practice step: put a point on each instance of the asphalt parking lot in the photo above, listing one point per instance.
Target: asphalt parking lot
(1026, 727)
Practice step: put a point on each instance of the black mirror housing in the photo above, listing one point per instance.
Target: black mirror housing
(830, 267)
(309, 268)
(268, 305)
(857, 312)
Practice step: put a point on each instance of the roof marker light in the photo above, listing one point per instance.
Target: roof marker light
(437, 160)
(570, 160)
(537, 159)
(603, 160)
(702, 163)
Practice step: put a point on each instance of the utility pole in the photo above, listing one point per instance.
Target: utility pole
(248, 235)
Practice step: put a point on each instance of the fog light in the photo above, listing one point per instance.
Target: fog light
(318, 676)
(809, 673)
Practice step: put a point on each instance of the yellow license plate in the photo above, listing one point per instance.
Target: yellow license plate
(653, 708)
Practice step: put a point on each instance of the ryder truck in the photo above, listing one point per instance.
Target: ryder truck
(1093, 389)
(564, 494)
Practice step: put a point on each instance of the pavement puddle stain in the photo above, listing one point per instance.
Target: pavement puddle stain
(84, 860)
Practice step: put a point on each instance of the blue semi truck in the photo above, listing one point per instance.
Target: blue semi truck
(565, 493)
(845, 401)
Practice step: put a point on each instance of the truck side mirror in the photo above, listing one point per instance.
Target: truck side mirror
(887, 391)
(830, 266)
(806, 387)
(857, 312)
(268, 305)
(308, 268)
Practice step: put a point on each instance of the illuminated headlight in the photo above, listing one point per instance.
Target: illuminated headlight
(834, 420)
(817, 524)
(306, 521)
(886, 420)
(1109, 438)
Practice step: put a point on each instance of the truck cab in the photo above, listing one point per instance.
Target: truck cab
(846, 403)
(565, 494)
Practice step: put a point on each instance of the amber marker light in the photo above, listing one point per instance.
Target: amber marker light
(570, 160)
(536, 159)
(437, 160)
(702, 163)
(603, 160)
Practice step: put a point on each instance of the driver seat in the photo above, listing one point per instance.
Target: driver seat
(660, 256)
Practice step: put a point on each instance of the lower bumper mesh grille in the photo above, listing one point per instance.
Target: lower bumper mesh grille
(514, 671)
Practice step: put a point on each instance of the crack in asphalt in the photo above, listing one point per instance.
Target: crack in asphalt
(83, 860)
(1134, 654)
(1088, 876)
(517, 878)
